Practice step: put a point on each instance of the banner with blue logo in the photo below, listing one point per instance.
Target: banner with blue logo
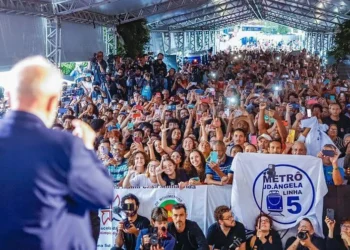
(294, 190)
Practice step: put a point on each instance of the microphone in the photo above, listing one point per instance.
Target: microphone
(116, 210)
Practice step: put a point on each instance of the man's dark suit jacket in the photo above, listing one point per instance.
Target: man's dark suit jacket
(49, 182)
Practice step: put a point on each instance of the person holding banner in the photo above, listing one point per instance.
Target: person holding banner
(333, 173)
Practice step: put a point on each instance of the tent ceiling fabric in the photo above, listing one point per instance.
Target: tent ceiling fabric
(308, 15)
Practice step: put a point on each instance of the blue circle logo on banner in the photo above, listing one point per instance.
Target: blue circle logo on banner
(286, 196)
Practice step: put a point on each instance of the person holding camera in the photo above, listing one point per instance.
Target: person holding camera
(226, 233)
(129, 229)
(156, 237)
(187, 233)
(342, 242)
(305, 238)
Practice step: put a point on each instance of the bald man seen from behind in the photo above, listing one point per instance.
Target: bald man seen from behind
(49, 179)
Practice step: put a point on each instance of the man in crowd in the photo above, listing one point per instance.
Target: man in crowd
(187, 233)
(129, 229)
(57, 179)
(306, 238)
(159, 222)
(226, 232)
(219, 173)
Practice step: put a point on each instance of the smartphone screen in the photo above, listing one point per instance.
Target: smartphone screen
(291, 136)
(332, 97)
(308, 111)
(329, 153)
(130, 126)
(214, 157)
(253, 140)
(330, 213)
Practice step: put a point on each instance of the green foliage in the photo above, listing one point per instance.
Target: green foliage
(283, 30)
(120, 48)
(84, 64)
(272, 28)
(135, 35)
(67, 68)
(341, 41)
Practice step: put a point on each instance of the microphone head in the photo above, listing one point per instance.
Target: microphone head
(116, 210)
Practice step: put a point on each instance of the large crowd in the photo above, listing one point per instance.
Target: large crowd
(157, 126)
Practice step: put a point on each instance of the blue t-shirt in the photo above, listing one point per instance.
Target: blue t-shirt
(225, 167)
(328, 171)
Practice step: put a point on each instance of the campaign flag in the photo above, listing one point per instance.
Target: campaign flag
(295, 190)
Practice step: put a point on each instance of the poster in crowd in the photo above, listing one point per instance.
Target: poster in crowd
(199, 200)
(295, 189)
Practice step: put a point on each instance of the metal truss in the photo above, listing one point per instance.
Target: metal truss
(206, 39)
(229, 17)
(110, 39)
(228, 23)
(211, 38)
(19, 7)
(179, 38)
(199, 40)
(64, 7)
(292, 21)
(166, 42)
(156, 9)
(251, 4)
(312, 7)
(53, 40)
(299, 13)
(198, 13)
(191, 40)
(213, 16)
(318, 42)
(86, 17)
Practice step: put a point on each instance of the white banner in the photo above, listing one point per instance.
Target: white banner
(296, 191)
(199, 200)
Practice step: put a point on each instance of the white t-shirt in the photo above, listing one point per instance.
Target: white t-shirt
(141, 180)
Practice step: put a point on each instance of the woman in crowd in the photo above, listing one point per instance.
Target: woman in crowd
(265, 237)
(169, 175)
(177, 157)
(147, 179)
(196, 169)
(138, 162)
(338, 242)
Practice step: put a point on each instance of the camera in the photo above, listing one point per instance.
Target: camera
(126, 223)
(154, 239)
(302, 235)
(235, 243)
(271, 171)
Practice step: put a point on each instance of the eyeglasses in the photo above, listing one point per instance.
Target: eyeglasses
(232, 217)
(345, 226)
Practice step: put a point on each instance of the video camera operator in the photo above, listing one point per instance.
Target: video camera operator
(306, 238)
(97, 60)
(97, 91)
(226, 233)
(156, 237)
(187, 233)
(118, 84)
(129, 228)
(159, 65)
